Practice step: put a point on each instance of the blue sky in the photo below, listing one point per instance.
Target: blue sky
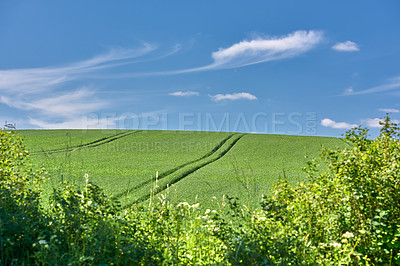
(278, 67)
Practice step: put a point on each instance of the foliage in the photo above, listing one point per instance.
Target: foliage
(346, 212)
(349, 214)
(20, 213)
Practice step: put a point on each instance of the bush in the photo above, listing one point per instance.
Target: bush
(347, 214)
(21, 216)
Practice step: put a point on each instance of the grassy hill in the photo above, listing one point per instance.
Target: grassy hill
(189, 165)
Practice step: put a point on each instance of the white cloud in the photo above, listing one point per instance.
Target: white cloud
(375, 122)
(389, 110)
(44, 91)
(348, 91)
(103, 121)
(76, 123)
(250, 52)
(232, 97)
(255, 51)
(184, 93)
(265, 49)
(326, 122)
(38, 80)
(68, 104)
(347, 46)
(393, 84)
(369, 123)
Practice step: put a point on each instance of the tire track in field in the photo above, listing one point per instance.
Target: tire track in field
(92, 144)
(186, 173)
(173, 170)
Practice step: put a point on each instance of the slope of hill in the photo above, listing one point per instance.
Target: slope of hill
(135, 164)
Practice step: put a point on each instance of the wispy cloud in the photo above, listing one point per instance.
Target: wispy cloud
(389, 110)
(184, 93)
(369, 123)
(249, 52)
(146, 120)
(348, 91)
(82, 122)
(375, 122)
(393, 84)
(66, 105)
(326, 122)
(347, 46)
(233, 97)
(37, 80)
(46, 92)
(255, 51)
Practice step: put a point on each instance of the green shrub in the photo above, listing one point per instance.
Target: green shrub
(21, 216)
(347, 214)
(88, 229)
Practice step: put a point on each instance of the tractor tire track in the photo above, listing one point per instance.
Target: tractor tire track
(92, 144)
(186, 173)
(68, 148)
(173, 170)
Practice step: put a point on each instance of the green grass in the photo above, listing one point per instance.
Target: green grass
(252, 167)
(189, 164)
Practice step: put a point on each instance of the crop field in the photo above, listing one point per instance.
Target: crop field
(133, 165)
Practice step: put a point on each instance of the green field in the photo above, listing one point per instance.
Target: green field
(189, 165)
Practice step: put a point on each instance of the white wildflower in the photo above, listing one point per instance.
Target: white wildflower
(336, 244)
(195, 205)
(260, 219)
(42, 242)
(183, 204)
(348, 235)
